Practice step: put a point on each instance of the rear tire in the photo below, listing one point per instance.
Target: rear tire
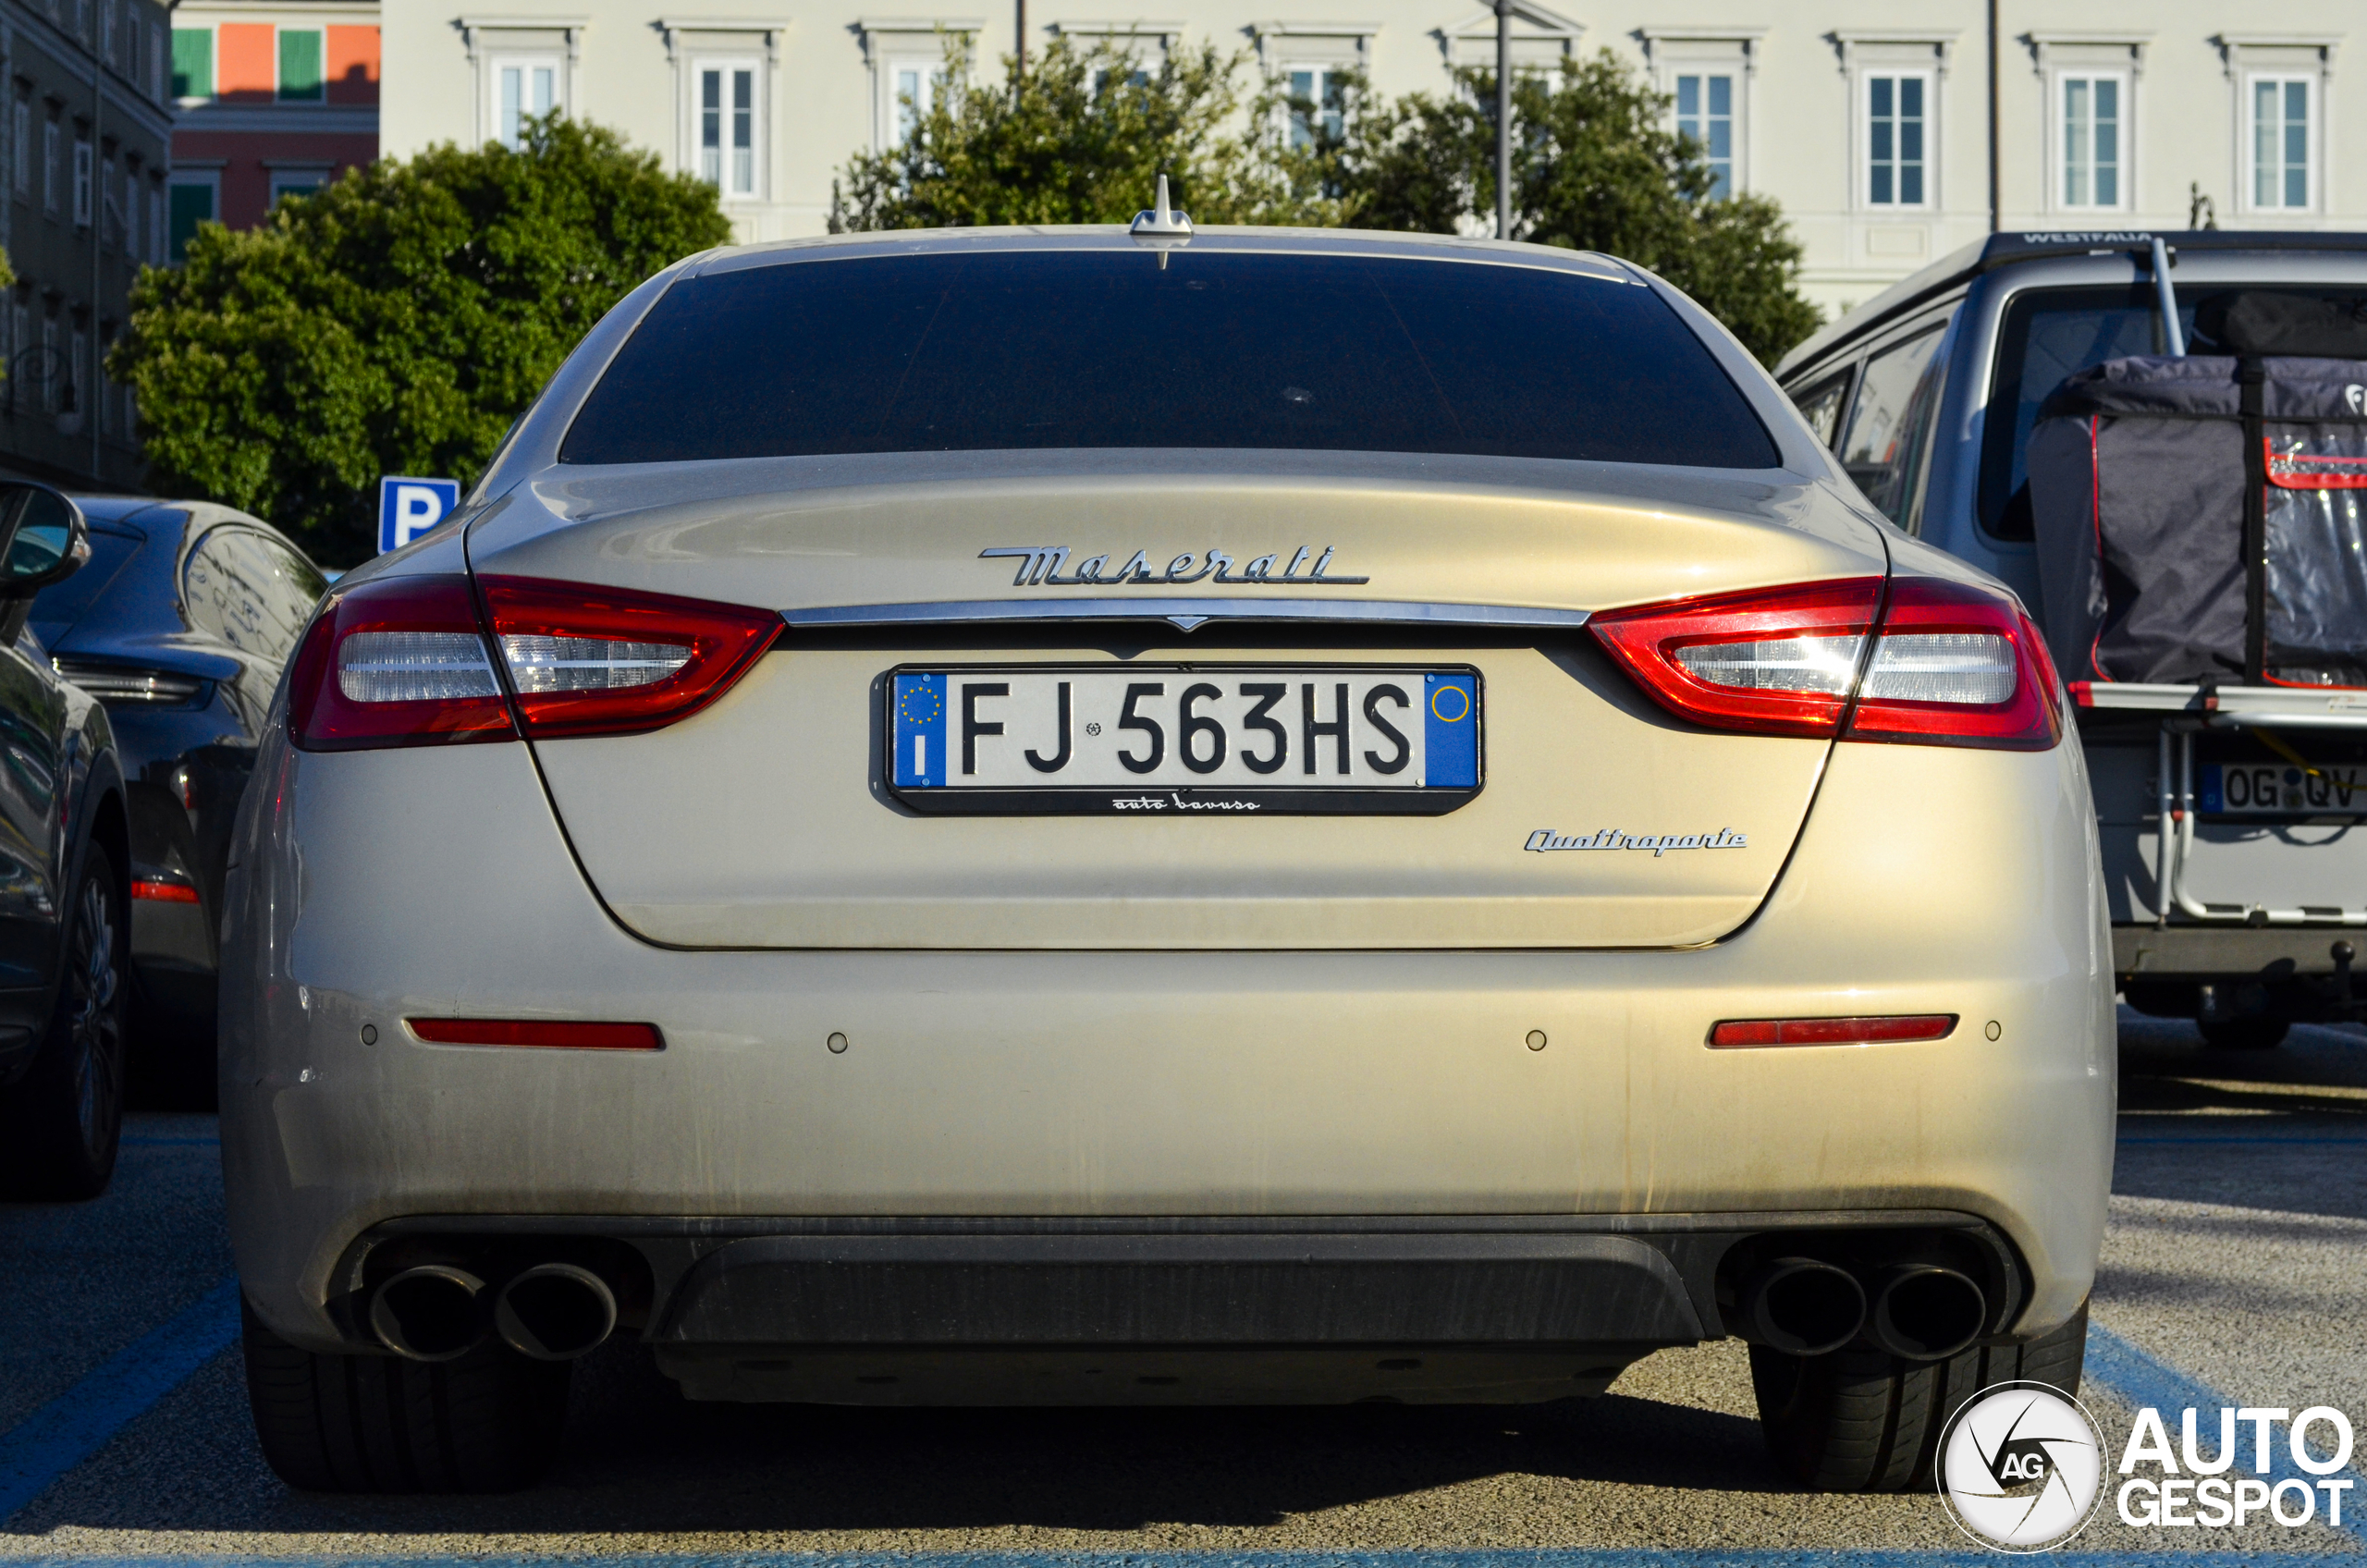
(1861, 1421)
(2243, 1033)
(487, 1422)
(61, 1124)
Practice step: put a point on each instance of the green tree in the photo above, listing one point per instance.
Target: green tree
(1082, 137)
(1596, 167)
(396, 322)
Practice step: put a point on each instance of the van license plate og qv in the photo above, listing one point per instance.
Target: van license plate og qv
(2282, 788)
(1184, 739)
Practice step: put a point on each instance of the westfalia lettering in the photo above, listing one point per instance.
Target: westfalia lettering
(1545, 839)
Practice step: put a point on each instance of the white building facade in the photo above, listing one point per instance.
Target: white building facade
(1872, 123)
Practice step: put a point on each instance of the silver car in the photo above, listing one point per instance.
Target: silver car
(1068, 816)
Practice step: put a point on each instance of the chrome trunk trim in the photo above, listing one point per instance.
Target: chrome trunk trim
(1186, 614)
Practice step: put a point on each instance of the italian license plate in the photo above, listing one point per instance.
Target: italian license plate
(2281, 789)
(1184, 739)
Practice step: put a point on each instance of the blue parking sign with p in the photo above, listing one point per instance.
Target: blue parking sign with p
(409, 508)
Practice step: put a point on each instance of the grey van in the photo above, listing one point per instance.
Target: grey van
(2241, 905)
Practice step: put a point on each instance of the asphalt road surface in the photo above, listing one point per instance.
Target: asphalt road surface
(2235, 1272)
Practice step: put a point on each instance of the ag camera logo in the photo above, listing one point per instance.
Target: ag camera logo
(2021, 1467)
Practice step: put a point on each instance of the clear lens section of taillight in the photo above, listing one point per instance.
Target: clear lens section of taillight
(1954, 664)
(1941, 667)
(589, 664)
(413, 667)
(588, 660)
(1823, 665)
(397, 661)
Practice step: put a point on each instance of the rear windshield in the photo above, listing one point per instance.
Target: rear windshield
(1031, 350)
(2050, 333)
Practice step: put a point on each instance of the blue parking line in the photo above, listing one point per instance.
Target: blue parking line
(77, 1424)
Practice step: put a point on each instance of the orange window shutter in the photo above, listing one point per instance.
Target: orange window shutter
(246, 61)
(353, 65)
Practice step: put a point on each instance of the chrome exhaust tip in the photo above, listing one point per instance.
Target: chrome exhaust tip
(555, 1312)
(1922, 1311)
(1803, 1307)
(430, 1312)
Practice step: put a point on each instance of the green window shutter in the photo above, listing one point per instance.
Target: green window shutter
(299, 64)
(192, 62)
(192, 204)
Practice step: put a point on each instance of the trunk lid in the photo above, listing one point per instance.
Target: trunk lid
(772, 819)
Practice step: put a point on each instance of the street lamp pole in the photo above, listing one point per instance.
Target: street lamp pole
(1503, 119)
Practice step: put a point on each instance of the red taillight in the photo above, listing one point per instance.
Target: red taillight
(603, 661)
(1953, 664)
(1944, 647)
(405, 662)
(552, 1033)
(164, 892)
(1742, 1032)
(400, 661)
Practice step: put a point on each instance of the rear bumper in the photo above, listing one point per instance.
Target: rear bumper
(1202, 1309)
(1157, 1086)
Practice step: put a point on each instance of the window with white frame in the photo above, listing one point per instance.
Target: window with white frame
(727, 115)
(910, 77)
(1897, 111)
(2092, 117)
(82, 182)
(523, 86)
(1319, 102)
(2282, 141)
(20, 146)
(1705, 112)
(49, 180)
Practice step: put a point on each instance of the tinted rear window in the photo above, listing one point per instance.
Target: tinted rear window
(1093, 349)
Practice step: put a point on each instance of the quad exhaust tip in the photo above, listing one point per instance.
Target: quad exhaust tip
(555, 1312)
(1922, 1311)
(430, 1312)
(1804, 1307)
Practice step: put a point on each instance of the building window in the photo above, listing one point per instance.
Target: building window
(20, 326)
(155, 62)
(155, 226)
(192, 62)
(77, 370)
(300, 65)
(912, 85)
(2090, 138)
(1318, 104)
(193, 203)
(20, 146)
(1895, 109)
(522, 87)
(49, 180)
(296, 182)
(1705, 111)
(128, 212)
(2282, 134)
(106, 31)
(53, 374)
(82, 182)
(726, 127)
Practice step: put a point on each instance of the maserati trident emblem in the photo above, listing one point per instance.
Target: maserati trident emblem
(1039, 567)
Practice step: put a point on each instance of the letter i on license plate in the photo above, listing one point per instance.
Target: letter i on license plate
(1184, 741)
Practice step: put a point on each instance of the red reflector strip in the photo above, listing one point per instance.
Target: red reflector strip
(538, 1032)
(1832, 1031)
(164, 892)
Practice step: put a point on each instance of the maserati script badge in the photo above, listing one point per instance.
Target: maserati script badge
(1039, 567)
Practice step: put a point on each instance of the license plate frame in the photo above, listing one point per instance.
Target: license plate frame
(894, 773)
